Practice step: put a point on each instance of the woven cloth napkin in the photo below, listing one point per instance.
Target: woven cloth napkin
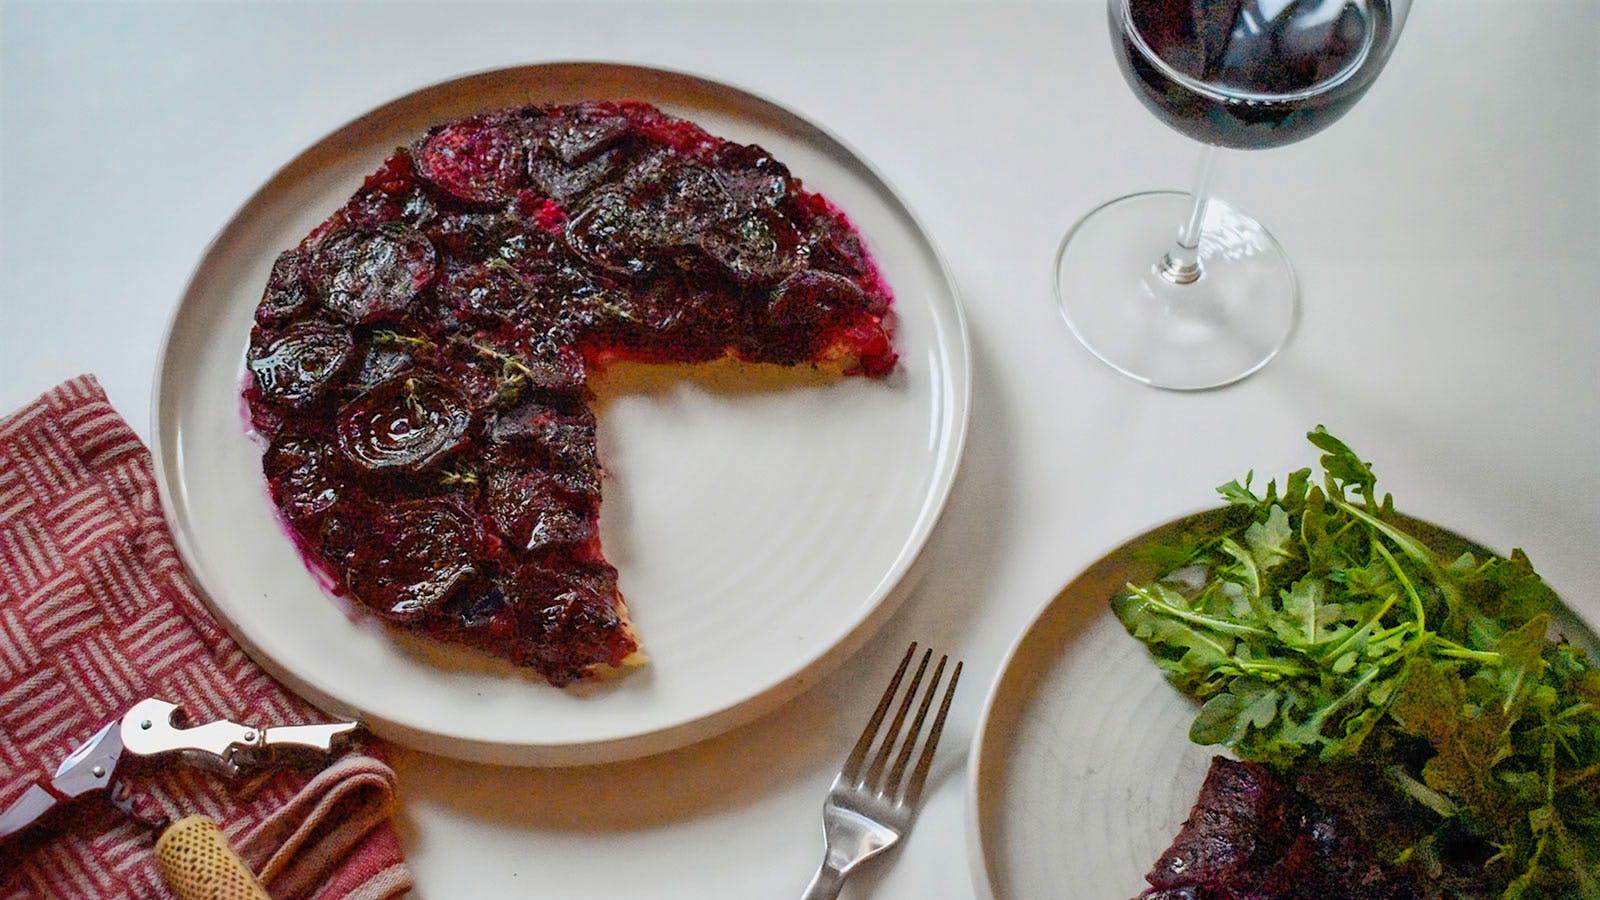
(96, 613)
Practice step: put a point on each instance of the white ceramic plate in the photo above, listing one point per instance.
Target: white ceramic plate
(1081, 771)
(761, 530)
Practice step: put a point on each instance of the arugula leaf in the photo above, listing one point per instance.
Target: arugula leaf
(1469, 738)
(1343, 467)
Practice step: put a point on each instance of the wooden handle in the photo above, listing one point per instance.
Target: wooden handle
(199, 864)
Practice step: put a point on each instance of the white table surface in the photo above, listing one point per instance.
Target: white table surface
(1447, 233)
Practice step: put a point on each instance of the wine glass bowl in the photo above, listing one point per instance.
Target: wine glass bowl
(1273, 72)
(1182, 291)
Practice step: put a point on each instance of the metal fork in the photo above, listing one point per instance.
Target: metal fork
(868, 811)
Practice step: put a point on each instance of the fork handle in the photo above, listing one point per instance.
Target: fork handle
(825, 885)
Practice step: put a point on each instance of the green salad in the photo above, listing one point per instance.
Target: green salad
(1318, 626)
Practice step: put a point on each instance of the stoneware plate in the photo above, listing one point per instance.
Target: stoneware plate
(762, 525)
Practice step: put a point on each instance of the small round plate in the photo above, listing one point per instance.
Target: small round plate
(762, 526)
(1081, 771)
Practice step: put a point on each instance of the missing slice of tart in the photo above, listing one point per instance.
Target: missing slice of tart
(420, 362)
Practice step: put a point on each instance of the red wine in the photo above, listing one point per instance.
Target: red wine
(1250, 74)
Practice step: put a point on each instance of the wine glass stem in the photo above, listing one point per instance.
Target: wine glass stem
(1181, 265)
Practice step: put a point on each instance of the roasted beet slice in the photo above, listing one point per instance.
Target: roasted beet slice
(1237, 821)
(556, 370)
(676, 322)
(387, 358)
(492, 290)
(478, 159)
(657, 214)
(481, 605)
(1252, 836)
(565, 182)
(677, 202)
(512, 367)
(804, 315)
(373, 274)
(471, 234)
(413, 556)
(388, 196)
(533, 512)
(568, 623)
(304, 479)
(556, 436)
(814, 298)
(610, 235)
(751, 177)
(403, 426)
(286, 296)
(299, 365)
(830, 241)
(584, 131)
(756, 247)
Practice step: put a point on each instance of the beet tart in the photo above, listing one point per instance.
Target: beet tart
(419, 363)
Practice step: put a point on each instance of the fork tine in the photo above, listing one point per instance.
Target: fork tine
(919, 776)
(852, 764)
(884, 749)
(892, 786)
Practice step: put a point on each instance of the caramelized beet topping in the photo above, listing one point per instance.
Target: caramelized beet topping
(556, 370)
(385, 359)
(371, 275)
(304, 480)
(609, 235)
(466, 234)
(812, 298)
(500, 370)
(490, 291)
(481, 606)
(804, 315)
(675, 321)
(413, 556)
(286, 296)
(658, 209)
(833, 244)
(427, 347)
(539, 213)
(567, 624)
(1252, 834)
(757, 247)
(297, 367)
(395, 177)
(751, 177)
(875, 356)
(404, 425)
(533, 512)
(676, 201)
(582, 132)
(557, 438)
(388, 195)
(478, 159)
(564, 182)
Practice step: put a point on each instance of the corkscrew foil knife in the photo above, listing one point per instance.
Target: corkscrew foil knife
(153, 727)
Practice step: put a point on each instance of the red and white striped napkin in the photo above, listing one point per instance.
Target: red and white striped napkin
(97, 612)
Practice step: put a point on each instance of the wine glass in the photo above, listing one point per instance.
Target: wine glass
(1183, 291)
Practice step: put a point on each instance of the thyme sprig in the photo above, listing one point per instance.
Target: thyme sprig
(458, 476)
(387, 336)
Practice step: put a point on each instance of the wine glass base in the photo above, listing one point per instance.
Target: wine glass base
(1214, 331)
